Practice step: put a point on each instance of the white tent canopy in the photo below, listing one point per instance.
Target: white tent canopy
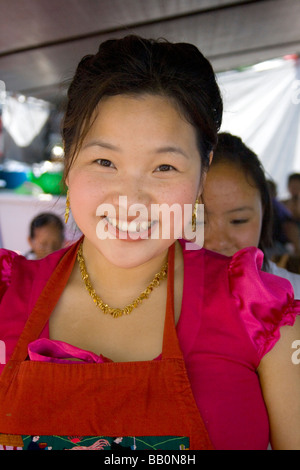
(41, 41)
(262, 106)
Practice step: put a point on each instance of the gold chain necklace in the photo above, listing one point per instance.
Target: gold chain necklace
(118, 312)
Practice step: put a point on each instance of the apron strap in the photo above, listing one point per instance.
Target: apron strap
(53, 290)
(171, 348)
(46, 303)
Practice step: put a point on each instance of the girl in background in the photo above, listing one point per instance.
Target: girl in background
(46, 234)
(238, 205)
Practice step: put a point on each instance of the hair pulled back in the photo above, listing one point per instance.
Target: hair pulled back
(133, 65)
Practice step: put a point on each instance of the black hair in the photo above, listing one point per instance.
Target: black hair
(134, 66)
(293, 177)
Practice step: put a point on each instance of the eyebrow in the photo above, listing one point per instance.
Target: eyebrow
(106, 145)
(171, 149)
(102, 144)
(239, 209)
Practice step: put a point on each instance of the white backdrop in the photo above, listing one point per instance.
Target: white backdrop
(262, 106)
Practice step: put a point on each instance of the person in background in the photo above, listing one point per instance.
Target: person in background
(170, 337)
(288, 261)
(238, 205)
(293, 203)
(46, 235)
(285, 231)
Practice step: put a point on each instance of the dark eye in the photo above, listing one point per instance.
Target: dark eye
(239, 221)
(165, 168)
(104, 162)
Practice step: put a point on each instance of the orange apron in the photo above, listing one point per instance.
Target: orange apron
(78, 405)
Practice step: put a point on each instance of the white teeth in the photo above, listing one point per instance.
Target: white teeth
(129, 227)
(133, 227)
(123, 226)
(145, 225)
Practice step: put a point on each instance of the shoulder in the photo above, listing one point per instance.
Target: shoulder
(280, 381)
(16, 268)
(7, 259)
(263, 302)
(266, 301)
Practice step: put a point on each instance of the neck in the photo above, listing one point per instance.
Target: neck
(119, 285)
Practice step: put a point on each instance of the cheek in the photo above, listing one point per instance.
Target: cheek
(251, 235)
(85, 196)
(84, 188)
(184, 195)
(181, 216)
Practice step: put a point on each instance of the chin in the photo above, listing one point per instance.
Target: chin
(129, 255)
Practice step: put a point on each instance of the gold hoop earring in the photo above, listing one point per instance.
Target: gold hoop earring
(67, 210)
(194, 216)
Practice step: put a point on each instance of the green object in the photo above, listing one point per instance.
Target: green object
(28, 188)
(50, 182)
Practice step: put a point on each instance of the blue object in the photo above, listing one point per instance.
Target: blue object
(13, 179)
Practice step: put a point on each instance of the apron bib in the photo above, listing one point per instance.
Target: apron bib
(147, 405)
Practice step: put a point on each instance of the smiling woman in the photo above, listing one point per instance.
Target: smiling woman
(126, 336)
(146, 169)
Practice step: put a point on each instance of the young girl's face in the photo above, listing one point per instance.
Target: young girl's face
(233, 210)
(46, 239)
(142, 149)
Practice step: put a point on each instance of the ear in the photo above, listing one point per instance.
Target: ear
(203, 178)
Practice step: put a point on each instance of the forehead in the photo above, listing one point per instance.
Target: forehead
(226, 182)
(144, 112)
(295, 183)
(46, 231)
(137, 120)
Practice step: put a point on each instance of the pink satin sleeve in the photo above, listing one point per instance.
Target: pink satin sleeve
(265, 301)
(6, 261)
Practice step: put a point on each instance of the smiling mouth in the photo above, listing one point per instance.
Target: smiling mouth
(130, 227)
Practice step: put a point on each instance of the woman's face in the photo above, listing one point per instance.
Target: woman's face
(233, 210)
(142, 149)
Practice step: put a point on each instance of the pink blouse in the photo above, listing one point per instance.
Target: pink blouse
(230, 318)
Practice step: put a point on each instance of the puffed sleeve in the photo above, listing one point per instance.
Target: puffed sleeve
(265, 301)
(6, 261)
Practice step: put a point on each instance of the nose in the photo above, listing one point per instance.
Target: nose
(134, 186)
(132, 191)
